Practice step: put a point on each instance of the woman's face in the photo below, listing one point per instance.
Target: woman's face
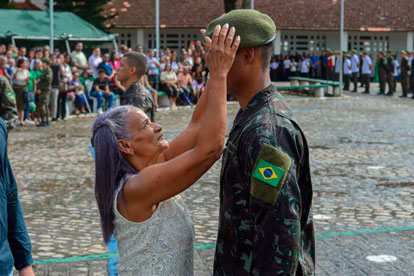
(67, 59)
(147, 139)
(167, 67)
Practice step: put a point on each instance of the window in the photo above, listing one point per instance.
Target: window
(302, 43)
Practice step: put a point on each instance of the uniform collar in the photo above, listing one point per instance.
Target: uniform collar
(255, 104)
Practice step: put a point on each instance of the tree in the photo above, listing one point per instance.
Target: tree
(4, 4)
(90, 11)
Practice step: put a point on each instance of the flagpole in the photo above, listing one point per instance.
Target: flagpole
(157, 28)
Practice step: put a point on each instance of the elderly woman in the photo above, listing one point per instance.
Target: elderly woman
(169, 84)
(139, 174)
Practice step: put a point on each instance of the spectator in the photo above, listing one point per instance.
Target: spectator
(199, 78)
(347, 71)
(55, 65)
(153, 65)
(150, 89)
(2, 49)
(76, 86)
(94, 60)
(185, 84)
(189, 58)
(169, 84)
(22, 53)
(9, 54)
(31, 89)
(198, 62)
(38, 58)
(174, 64)
(79, 59)
(11, 67)
(101, 90)
(185, 61)
(139, 48)
(106, 66)
(314, 65)
(3, 68)
(66, 77)
(273, 69)
(124, 49)
(286, 67)
(31, 56)
(37, 72)
(44, 91)
(20, 79)
(279, 70)
(115, 60)
(305, 66)
(293, 66)
(337, 65)
(14, 239)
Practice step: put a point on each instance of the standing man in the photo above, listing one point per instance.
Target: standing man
(79, 59)
(355, 69)
(153, 64)
(15, 247)
(133, 67)
(405, 68)
(8, 110)
(347, 71)
(44, 91)
(315, 62)
(331, 65)
(366, 71)
(411, 59)
(382, 72)
(265, 224)
(305, 66)
(337, 65)
(390, 73)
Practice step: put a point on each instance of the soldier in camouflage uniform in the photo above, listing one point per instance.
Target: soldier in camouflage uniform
(133, 67)
(405, 69)
(265, 223)
(8, 110)
(382, 72)
(390, 73)
(44, 90)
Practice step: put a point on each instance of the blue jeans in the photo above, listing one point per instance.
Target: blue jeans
(108, 98)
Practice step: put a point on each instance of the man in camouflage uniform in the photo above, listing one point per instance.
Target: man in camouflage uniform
(265, 223)
(8, 110)
(390, 73)
(405, 69)
(133, 67)
(382, 72)
(44, 90)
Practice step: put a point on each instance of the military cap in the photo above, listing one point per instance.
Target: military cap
(389, 51)
(45, 59)
(364, 53)
(254, 28)
(381, 52)
(328, 50)
(354, 51)
(337, 52)
(403, 52)
(348, 55)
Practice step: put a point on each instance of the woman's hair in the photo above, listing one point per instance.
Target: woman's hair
(20, 62)
(110, 164)
(112, 58)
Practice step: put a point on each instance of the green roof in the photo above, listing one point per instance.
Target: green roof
(29, 24)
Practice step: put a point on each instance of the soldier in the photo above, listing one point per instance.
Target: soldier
(133, 67)
(8, 110)
(331, 65)
(366, 71)
(382, 72)
(44, 91)
(355, 69)
(405, 68)
(390, 73)
(265, 224)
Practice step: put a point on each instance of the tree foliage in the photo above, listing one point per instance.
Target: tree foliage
(89, 10)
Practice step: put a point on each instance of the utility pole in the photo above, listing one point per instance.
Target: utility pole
(252, 4)
(51, 25)
(157, 28)
(341, 73)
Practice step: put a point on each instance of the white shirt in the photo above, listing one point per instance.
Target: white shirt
(366, 65)
(355, 61)
(93, 64)
(347, 67)
(337, 64)
(274, 65)
(293, 66)
(287, 63)
(304, 66)
(396, 65)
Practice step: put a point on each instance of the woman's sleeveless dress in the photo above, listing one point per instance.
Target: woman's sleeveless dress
(162, 245)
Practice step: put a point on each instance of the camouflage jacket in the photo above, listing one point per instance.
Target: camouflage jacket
(138, 96)
(390, 65)
(405, 66)
(264, 229)
(45, 80)
(382, 66)
(8, 110)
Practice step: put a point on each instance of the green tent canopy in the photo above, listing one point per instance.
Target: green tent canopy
(27, 24)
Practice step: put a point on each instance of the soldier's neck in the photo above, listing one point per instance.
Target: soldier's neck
(249, 89)
(130, 82)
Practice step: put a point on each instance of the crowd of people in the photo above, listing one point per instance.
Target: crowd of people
(357, 67)
(43, 82)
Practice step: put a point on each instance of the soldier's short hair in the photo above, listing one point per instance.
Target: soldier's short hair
(137, 60)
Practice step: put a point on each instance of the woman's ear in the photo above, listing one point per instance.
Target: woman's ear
(124, 147)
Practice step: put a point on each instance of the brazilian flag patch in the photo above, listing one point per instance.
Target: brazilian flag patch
(268, 173)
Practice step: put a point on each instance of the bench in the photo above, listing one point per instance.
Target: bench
(332, 89)
(163, 100)
(316, 90)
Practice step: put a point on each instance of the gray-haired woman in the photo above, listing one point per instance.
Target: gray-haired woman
(139, 174)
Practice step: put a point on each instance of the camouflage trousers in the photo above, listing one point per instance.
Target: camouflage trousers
(44, 99)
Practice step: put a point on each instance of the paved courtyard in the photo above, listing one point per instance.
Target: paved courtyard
(362, 160)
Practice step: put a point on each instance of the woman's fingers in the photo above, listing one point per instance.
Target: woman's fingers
(236, 44)
(223, 35)
(230, 37)
(216, 35)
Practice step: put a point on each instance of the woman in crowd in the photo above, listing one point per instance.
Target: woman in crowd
(66, 77)
(76, 86)
(150, 89)
(293, 67)
(169, 84)
(273, 69)
(174, 64)
(21, 78)
(115, 60)
(139, 174)
(198, 81)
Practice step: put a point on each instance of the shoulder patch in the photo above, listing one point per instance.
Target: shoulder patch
(269, 175)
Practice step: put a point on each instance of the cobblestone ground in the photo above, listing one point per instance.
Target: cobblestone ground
(362, 157)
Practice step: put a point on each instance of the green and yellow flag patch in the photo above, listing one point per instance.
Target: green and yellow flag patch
(268, 173)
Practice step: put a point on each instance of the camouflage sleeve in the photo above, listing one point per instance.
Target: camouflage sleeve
(276, 211)
(8, 110)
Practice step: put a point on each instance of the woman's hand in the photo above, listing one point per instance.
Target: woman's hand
(221, 50)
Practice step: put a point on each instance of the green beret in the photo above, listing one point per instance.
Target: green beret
(364, 53)
(354, 51)
(348, 55)
(389, 51)
(45, 59)
(403, 52)
(381, 53)
(337, 52)
(254, 28)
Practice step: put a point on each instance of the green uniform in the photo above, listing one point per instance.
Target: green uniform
(390, 74)
(265, 223)
(405, 78)
(382, 74)
(138, 96)
(8, 110)
(45, 86)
